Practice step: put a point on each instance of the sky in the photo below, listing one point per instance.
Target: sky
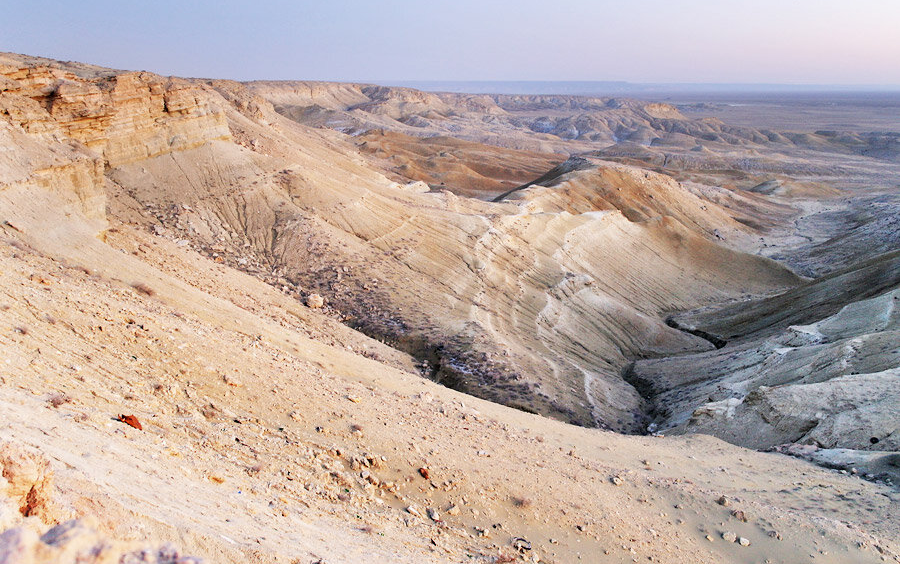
(837, 42)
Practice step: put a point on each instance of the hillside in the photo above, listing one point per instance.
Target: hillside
(279, 315)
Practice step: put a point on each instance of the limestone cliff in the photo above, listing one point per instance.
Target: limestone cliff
(61, 131)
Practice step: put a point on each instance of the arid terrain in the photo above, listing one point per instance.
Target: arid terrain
(319, 322)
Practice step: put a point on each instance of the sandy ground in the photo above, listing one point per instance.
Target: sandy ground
(259, 445)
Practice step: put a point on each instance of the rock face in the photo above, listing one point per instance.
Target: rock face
(831, 381)
(125, 117)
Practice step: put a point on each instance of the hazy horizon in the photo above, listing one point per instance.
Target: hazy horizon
(696, 42)
(604, 86)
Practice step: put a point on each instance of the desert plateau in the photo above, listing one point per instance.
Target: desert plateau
(312, 322)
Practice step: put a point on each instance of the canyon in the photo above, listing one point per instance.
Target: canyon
(365, 323)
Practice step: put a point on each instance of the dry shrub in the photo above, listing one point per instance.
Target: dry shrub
(521, 502)
(57, 399)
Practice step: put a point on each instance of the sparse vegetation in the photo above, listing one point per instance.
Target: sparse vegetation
(521, 502)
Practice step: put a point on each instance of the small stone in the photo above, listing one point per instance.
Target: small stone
(453, 510)
(433, 514)
(739, 515)
(130, 420)
(424, 472)
(315, 301)
(413, 510)
(744, 541)
(617, 480)
(521, 544)
(710, 538)
(723, 501)
(728, 536)
(296, 415)
(232, 381)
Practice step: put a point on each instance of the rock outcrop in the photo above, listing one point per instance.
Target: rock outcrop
(124, 118)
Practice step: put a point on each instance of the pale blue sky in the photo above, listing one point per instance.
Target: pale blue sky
(771, 41)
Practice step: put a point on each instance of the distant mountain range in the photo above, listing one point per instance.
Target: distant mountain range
(618, 88)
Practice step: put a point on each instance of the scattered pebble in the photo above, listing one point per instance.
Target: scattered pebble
(728, 536)
(744, 541)
(739, 515)
(521, 544)
(723, 501)
(130, 420)
(232, 381)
